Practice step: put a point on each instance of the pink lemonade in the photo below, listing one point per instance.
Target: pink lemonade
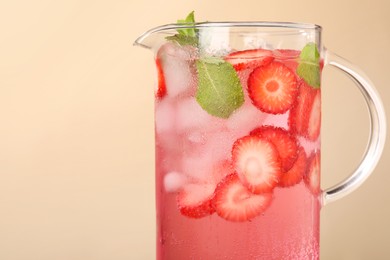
(237, 154)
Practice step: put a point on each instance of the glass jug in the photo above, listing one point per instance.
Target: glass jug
(237, 127)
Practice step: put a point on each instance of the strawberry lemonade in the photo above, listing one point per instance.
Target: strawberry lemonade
(237, 151)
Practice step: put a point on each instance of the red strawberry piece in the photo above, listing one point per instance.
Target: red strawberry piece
(249, 58)
(288, 57)
(195, 200)
(305, 116)
(312, 177)
(234, 202)
(321, 64)
(314, 127)
(298, 118)
(273, 88)
(286, 54)
(257, 163)
(161, 87)
(297, 171)
(285, 143)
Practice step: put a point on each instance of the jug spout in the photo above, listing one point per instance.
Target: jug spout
(155, 37)
(150, 39)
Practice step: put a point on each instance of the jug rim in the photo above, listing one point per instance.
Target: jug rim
(227, 24)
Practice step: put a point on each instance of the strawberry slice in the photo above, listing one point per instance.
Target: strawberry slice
(195, 200)
(285, 143)
(312, 177)
(298, 118)
(288, 57)
(305, 116)
(161, 86)
(297, 171)
(286, 54)
(257, 163)
(234, 202)
(249, 58)
(314, 128)
(273, 88)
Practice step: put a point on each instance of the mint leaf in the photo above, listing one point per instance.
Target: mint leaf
(186, 36)
(309, 65)
(190, 20)
(219, 88)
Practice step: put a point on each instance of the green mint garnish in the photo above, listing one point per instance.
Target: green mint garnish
(219, 88)
(190, 19)
(186, 36)
(309, 65)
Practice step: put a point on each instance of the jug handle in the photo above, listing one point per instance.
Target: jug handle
(377, 134)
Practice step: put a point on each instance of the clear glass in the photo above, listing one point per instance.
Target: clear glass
(237, 123)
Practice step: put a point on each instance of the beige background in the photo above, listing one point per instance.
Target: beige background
(76, 132)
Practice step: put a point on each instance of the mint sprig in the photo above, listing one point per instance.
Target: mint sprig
(190, 19)
(309, 65)
(219, 89)
(186, 36)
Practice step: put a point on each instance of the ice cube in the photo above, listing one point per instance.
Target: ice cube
(280, 120)
(219, 145)
(191, 116)
(172, 147)
(198, 166)
(174, 181)
(173, 50)
(215, 40)
(196, 137)
(165, 116)
(245, 119)
(209, 156)
(178, 67)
